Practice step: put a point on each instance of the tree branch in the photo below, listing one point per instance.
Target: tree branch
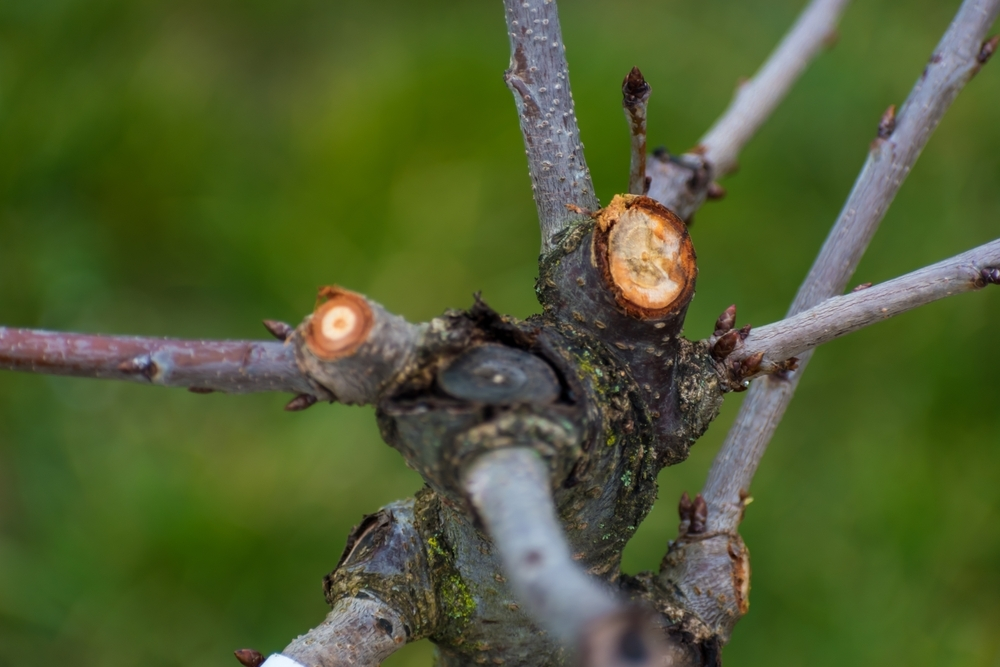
(353, 347)
(511, 492)
(958, 56)
(361, 632)
(681, 185)
(757, 99)
(231, 366)
(840, 315)
(539, 79)
(348, 350)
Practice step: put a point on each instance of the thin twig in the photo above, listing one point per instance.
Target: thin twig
(233, 366)
(757, 99)
(539, 79)
(954, 62)
(840, 315)
(360, 632)
(635, 99)
(510, 489)
(682, 184)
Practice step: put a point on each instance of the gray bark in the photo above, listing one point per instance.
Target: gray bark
(539, 79)
(682, 185)
(841, 315)
(232, 366)
(540, 440)
(954, 62)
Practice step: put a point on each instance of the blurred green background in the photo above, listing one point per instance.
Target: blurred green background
(188, 168)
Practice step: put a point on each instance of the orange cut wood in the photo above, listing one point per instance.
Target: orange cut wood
(646, 256)
(340, 325)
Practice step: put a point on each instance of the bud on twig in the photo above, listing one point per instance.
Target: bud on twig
(249, 657)
(278, 329)
(726, 344)
(726, 321)
(300, 402)
(988, 49)
(887, 124)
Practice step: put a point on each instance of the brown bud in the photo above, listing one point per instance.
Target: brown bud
(862, 286)
(744, 331)
(300, 402)
(249, 657)
(887, 124)
(988, 49)
(699, 516)
(339, 326)
(726, 321)
(684, 507)
(279, 330)
(751, 365)
(635, 90)
(990, 276)
(685, 510)
(715, 191)
(726, 343)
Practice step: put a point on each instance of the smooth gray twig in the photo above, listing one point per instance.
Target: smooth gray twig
(840, 315)
(955, 60)
(510, 489)
(682, 184)
(360, 632)
(233, 366)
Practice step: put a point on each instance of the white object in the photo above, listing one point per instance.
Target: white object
(278, 660)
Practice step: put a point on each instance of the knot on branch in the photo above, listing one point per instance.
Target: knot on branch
(736, 364)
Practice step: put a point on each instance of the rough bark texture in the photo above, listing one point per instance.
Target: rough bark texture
(538, 77)
(540, 440)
